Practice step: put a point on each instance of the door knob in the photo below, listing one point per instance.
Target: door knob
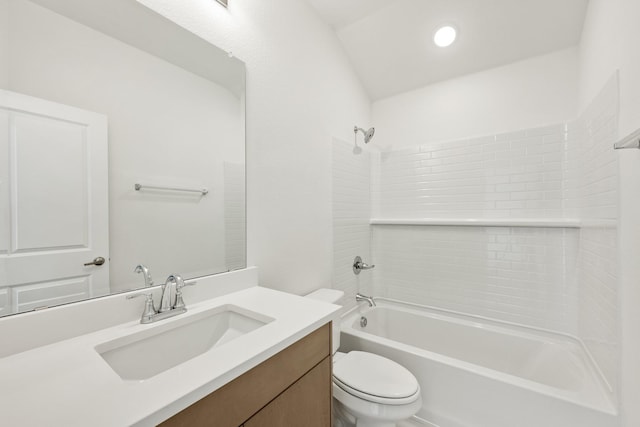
(97, 261)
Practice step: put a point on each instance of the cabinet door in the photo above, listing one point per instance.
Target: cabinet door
(306, 403)
(245, 396)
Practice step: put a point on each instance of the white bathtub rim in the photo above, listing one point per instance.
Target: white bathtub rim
(605, 404)
(445, 314)
(607, 408)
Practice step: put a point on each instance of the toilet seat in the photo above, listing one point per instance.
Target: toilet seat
(375, 378)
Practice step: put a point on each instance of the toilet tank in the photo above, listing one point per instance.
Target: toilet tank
(331, 296)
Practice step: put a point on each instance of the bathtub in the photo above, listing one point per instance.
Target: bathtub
(475, 372)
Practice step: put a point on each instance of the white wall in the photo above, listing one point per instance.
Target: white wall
(4, 42)
(301, 91)
(160, 120)
(609, 42)
(525, 94)
(235, 215)
(4, 149)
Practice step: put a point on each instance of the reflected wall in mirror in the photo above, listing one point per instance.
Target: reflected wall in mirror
(97, 96)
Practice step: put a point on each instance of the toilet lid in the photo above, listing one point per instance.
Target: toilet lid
(375, 375)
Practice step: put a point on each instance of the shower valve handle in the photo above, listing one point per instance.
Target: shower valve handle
(358, 265)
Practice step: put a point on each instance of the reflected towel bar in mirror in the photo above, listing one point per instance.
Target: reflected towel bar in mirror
(630, 141)
(139, 187)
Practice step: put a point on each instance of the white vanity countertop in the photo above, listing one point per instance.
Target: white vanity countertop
(69, 384)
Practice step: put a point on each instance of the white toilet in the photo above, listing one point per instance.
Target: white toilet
(368, 390)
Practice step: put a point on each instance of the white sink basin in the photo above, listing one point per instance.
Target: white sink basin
(142, 355)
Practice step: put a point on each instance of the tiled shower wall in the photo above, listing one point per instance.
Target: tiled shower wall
(591, 178)
(351, 212)
(593, 193)
(512, 274)
(508, 273)
(562, 279)
(517, 174)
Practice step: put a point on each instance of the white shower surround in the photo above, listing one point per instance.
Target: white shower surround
(562, 279)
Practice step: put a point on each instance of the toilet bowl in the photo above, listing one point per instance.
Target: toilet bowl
(368, 390)
(373, 391)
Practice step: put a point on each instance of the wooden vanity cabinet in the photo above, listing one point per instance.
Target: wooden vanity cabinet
(292, 388)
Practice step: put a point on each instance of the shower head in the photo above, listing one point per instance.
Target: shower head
(368, 134)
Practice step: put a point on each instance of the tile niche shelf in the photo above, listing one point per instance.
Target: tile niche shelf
(498, 222)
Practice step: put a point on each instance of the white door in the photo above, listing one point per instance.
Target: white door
(53, 203)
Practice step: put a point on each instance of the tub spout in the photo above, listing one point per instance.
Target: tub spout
(369, 300)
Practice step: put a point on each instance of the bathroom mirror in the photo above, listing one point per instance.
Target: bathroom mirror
(121, 144)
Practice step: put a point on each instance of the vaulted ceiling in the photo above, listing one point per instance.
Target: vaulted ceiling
(390, 42)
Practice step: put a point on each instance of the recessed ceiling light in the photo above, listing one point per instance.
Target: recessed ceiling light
(444, 36)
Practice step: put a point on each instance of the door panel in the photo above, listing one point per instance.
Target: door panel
(4, 183)
(50, 293)
(49, 175)
(53, 202)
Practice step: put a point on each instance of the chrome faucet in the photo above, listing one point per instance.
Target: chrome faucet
(171, 302)
(169, 292)
(148, 280)
(360, 297)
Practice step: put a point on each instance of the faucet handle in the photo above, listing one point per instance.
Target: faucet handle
(184, 283)
(358, 265)
(149, 308)
(179, 286)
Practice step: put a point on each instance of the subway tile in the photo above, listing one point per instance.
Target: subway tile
(527, 177)
(438, 254)
(559, 279)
